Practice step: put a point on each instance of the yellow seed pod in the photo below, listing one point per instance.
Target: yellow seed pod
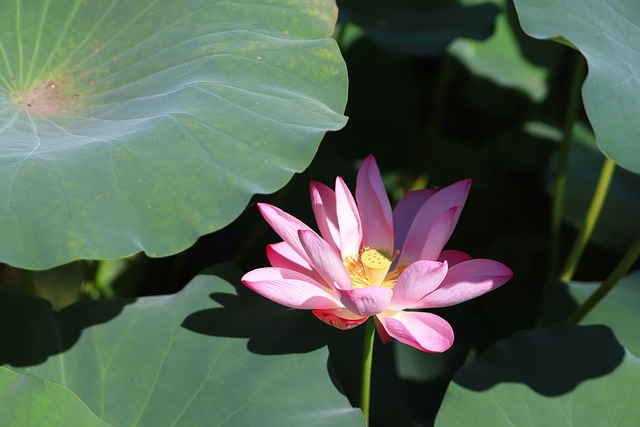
(376, 264)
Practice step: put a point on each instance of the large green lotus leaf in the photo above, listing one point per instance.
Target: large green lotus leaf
(559, 376)
(506, 59)
(142, 125)
(209, 355)
(618, 309)
(417, 27)
(606, 33)
(27, 401)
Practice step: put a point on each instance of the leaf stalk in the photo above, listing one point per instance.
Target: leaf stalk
(618, 273)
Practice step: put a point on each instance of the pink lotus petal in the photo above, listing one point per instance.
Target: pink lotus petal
(366, 301)
(454, 195)
(384, 336)
(348, 220)
(285, 225)
(405, 212)
(424, 331)
(439, 235)
(325, 260)
(453, 257)
(323, 201)
(282, 255)
(373, 203)
(339, 318)
(467, 280)
(290, 288)
(416, 281)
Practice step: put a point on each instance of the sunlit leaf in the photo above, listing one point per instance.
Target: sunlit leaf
(606, 33)
(142, 125)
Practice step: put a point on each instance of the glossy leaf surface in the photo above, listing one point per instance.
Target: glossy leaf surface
(140, 126)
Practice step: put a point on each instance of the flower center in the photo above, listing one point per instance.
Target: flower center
(371, 268)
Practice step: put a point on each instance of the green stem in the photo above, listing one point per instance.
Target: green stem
(606, 174)
(561, 171)
(618, 273)
(367, 360)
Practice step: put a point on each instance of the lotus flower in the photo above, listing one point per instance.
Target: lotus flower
(370, 260)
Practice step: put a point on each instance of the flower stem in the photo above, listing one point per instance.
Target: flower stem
(618, 273)
(561, 170)
(606, 174)
(367, 360)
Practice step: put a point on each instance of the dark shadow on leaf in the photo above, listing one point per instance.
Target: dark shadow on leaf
(30, 331)
(551, 361)
(270, 328)
(335, 379)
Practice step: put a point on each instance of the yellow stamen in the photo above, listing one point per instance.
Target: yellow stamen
(356, 272)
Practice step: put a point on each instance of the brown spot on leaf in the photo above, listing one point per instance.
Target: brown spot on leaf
(45, 98)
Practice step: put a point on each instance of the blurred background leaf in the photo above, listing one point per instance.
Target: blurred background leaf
(618, 226)
(508, 57)
(421, 28)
